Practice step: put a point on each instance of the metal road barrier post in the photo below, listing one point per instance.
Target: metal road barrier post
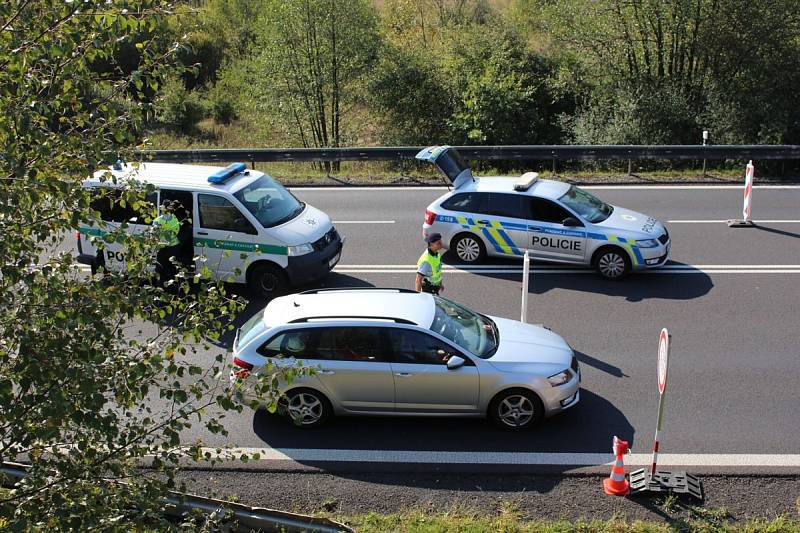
(526, 272)
(745, 221)
(244, 518)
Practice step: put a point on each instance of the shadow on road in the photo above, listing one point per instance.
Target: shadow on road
(777, 231)
(586, 428)
(686, 284)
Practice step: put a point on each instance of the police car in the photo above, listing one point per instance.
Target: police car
(243, 225)
(555, 221)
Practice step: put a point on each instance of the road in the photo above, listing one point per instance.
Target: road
(729, 298)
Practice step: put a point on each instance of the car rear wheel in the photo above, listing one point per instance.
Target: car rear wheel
(267, 281)
(306, 408)
(612, 263)
(516, 410)
(469, 248)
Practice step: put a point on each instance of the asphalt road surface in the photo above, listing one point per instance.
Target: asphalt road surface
(730, 298)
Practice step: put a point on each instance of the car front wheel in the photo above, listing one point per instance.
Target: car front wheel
(516, 410)
(612, 263)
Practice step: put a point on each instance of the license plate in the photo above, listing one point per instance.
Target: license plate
(334, 260)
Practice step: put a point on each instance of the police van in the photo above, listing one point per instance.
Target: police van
(554, 221)
(243, 225)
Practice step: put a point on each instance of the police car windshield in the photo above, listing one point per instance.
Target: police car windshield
(474, 332)
(269, 201)
(586, 205)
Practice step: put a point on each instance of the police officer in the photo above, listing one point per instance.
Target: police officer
(167, 226)
(429, 266)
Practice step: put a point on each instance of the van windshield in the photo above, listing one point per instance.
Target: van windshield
(269, 201)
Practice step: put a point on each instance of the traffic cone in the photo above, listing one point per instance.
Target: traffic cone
(616, 484)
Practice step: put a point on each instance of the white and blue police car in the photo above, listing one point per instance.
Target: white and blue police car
(554, 221)
(241, 224)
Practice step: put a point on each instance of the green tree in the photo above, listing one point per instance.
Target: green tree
(97, 373)
(314, 56)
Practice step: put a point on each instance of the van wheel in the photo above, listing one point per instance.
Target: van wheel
(469, 248)
(267, 281)
(306, 408)
(612, 263)
(516, 410)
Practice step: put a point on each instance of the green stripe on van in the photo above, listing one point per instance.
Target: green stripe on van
(94, 232)
(241, 246)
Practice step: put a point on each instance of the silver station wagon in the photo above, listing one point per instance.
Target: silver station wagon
(400, 352)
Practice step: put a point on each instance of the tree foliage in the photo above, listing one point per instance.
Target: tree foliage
(97, 374)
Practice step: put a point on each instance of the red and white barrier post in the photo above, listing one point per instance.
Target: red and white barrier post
(748, 195)
(526, 273)
(657, 481)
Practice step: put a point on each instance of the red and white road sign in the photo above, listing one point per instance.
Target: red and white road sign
(663, 356)
(748, 189)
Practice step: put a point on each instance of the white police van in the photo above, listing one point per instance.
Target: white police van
(243, 225)
(555, 221)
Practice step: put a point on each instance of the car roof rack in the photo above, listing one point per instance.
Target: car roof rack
(340, 317)
(335, 289)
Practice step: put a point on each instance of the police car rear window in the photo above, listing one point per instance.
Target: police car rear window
(467, 203)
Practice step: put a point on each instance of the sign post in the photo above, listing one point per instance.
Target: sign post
(663, 359)
(748, 194)
(657, 481)
(526, 271)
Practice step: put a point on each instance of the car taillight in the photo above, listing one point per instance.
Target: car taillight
(242, 369)
(430, 217)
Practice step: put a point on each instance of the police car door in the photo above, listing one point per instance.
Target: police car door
(222, 235)
(550, 237)
(505, 228)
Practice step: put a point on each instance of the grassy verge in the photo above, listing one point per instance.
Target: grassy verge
(421, 522)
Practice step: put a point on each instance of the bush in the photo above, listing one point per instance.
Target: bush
(176, 107)
(220, 105)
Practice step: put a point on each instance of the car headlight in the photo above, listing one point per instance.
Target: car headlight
(647, 243)
(301, 249)
(559, 379)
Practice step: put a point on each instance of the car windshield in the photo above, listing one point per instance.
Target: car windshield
(249, 329)
(472, 331)
(269, 201)
(586, 205)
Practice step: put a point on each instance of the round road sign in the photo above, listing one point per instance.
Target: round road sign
(663, 355)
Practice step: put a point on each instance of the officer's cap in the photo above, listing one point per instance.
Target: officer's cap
(433, 237)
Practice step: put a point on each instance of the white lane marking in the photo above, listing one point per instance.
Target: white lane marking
(595, 187)
(558, 267)
(725, 221)
(577, 271)
(519, 458)
(363, 221)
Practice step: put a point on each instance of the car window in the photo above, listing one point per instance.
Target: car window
(297, 343)
(585, 204)
(106, 201)
(353, 344)
(508, 205)
(219, 213)
(467, 203)
(546, 211)
(415, 347)
(179, 203)
(269, 201)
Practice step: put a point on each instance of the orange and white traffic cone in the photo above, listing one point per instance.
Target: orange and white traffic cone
(616, 484)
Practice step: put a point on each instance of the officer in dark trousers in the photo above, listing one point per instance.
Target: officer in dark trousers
(429, 266)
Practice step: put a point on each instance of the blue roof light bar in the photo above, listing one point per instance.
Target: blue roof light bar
(227, 173)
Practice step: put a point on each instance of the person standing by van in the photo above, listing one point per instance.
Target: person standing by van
(168, 227)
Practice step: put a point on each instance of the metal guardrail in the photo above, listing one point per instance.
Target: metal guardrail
(507, 153)
(247, 518)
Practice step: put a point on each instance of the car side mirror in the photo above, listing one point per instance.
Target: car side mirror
(455, 362)
(571, 222)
